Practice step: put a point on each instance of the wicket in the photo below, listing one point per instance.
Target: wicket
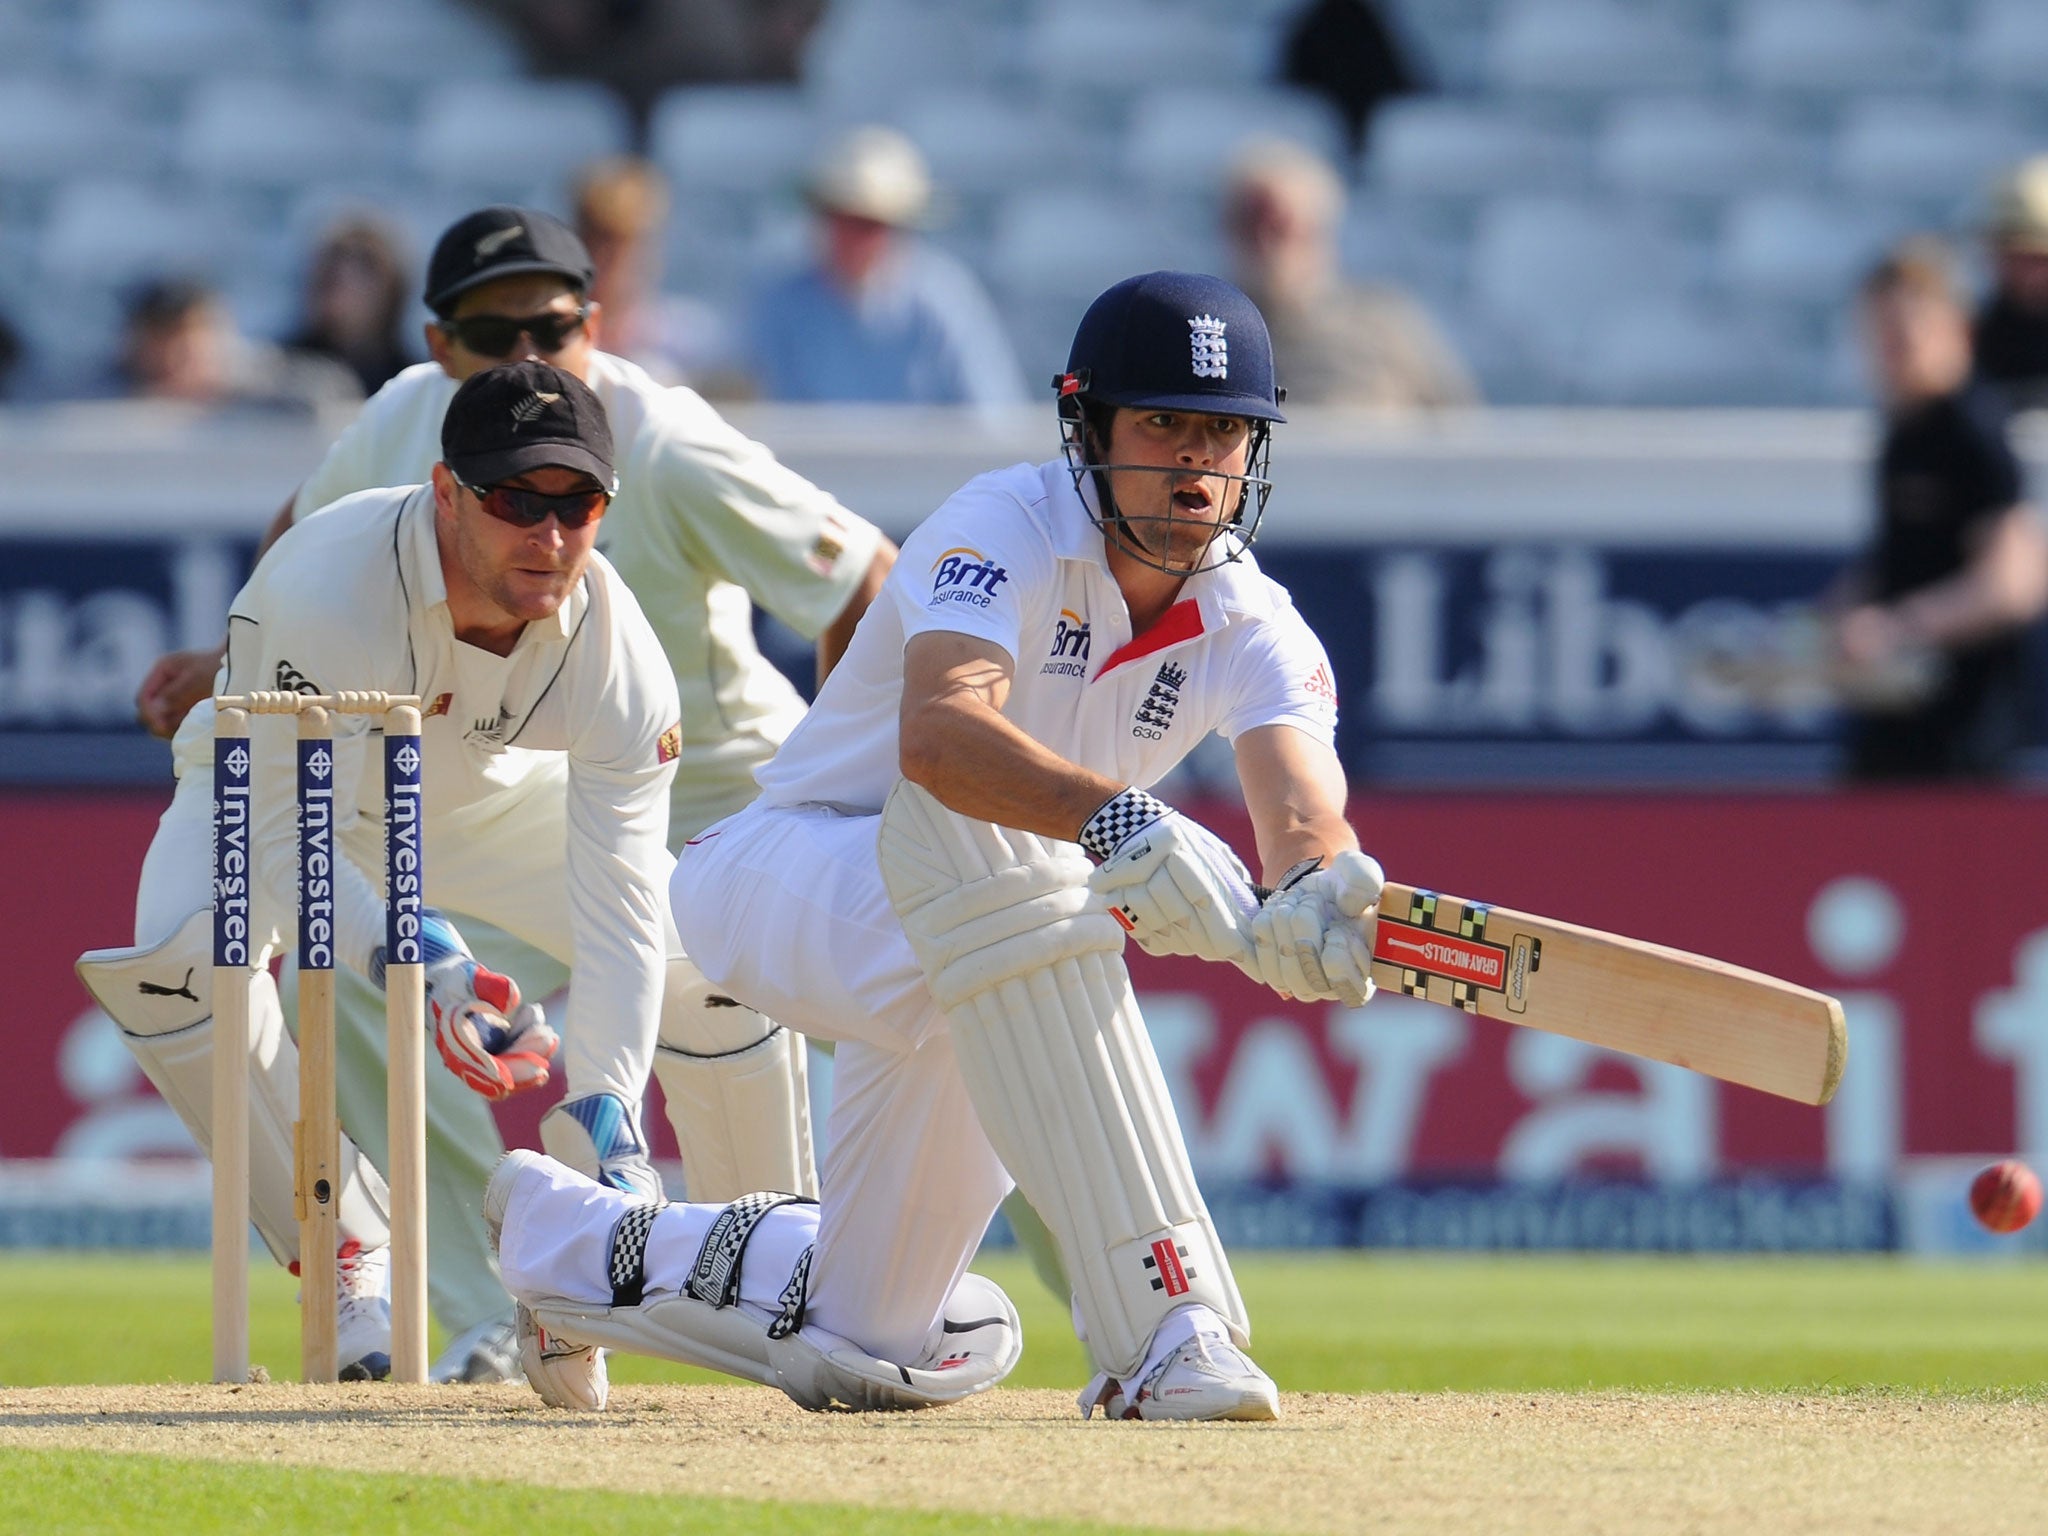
(316, 1137)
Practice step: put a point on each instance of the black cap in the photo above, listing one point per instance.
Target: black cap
(498, 242)
(530, 415)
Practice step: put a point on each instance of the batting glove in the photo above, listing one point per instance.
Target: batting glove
(495, 1043)
(1309, 938)
(1174, 884)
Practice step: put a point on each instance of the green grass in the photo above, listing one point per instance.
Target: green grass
(1322, 1322)
(83, 1492)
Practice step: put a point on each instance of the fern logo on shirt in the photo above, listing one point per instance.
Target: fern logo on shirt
(491, 734)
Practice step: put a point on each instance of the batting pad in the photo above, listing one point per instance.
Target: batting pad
(1028, 967)
(161, 999)
(738, 1092)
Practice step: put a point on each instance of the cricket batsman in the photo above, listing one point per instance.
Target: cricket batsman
(941, 872)
(705, 525)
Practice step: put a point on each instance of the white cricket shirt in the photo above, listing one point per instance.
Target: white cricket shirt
(705, 520)
(1013, 558)
(355, 599)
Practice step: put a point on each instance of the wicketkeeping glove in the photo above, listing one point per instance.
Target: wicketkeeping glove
(1309, 938)
(1172, 882)
(495, 1043)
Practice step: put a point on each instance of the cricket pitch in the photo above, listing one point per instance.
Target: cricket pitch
(1442, 1463)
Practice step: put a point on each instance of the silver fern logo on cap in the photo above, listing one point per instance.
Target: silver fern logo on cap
(531, 407)
(497, 240)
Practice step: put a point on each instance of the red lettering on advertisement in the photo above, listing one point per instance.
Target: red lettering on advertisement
(1947, 998)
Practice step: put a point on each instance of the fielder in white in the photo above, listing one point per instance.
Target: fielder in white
(941, 873)
(706, 522)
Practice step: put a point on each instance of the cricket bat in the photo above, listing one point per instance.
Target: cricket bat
(1733, 1024)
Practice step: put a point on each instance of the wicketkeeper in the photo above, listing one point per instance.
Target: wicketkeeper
(940, 874)
(550, 736)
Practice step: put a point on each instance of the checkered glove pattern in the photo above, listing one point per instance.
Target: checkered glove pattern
(1309, 938)
(1174, 884)
(1129, 811)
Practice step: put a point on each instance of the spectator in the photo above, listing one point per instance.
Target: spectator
(2011, 331)
(1334, 342)
(357, 294)
(641, 48)
(179, 343)
(10, 356)
(1345, 50)
(880, 315)
(621, 209)
(1959, 566)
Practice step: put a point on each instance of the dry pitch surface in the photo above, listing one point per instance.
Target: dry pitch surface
(1444, 1463)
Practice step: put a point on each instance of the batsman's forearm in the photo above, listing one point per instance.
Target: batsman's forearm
(979, 764)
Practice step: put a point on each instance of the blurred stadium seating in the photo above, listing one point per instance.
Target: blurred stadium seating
(1594, 198)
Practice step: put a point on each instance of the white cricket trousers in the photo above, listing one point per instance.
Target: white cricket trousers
(784, 907)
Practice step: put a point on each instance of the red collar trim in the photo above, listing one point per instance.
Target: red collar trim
(1183, 621)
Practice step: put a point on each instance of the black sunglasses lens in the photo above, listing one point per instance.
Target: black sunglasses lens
(495, 335)
(529, 509)
(550, 331)
(487, 335)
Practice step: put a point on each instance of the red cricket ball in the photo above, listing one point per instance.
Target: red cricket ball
(2006, 1196)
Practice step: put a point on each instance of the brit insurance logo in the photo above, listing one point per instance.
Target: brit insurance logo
(964, 575)
(1069, 647)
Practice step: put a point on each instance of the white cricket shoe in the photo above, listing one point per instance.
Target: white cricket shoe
(565, 1375)
(480, 1355)
(362, 1280)
(1208, 1377)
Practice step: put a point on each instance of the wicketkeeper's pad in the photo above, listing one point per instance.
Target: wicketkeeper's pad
(1028, 966)
(160, 996)
(738, 1092)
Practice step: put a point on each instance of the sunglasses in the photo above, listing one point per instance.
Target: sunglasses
(529, 509)
(497, 335)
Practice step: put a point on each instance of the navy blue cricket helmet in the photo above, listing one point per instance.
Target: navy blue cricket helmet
(1170, 341)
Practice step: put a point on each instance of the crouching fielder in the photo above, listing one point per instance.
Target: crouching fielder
(941, 873)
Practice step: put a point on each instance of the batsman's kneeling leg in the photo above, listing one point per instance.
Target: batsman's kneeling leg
(718, 1286)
